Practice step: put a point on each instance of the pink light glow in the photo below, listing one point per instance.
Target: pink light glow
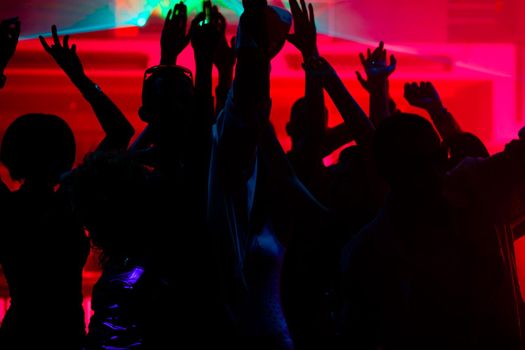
(474, 55)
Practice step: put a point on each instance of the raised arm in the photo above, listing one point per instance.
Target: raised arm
(9, 33)
(224, 61)
(205, 39)
(239, 127)
(377, 71)
(355, 118)
(425, 96)
(459, 144)
(496, 183)
(235, 139)
(309, 142)
(117, 128)
(174, 38)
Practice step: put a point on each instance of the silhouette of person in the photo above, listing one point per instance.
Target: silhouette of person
(9, 33)
(43, 246)
(177, 138)
(252, 187)
(460, 144)
(111, 196)
(350, 190)
(435, 268)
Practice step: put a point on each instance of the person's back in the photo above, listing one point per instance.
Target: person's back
(44, 248)
(44, 252)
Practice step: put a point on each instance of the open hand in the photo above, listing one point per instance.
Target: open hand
(64, 55)
(174, 38)
(376, 67)
(423, 95)
(206, 37)
(305, 33)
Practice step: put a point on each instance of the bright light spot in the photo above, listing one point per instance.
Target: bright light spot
(141, 21)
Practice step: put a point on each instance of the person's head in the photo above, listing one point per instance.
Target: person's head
(297, 126)
(38, 148)
(168, 101)
(110, 195)
(408, 152)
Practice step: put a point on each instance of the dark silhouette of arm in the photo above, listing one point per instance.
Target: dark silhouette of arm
(354, 117)
(335, 138)
(307, 146)
(377, 71)
(425, 96)
(223, 59)
(117, 128)
(174, 38)
(496, 183)
(239, 126)
(9, 33)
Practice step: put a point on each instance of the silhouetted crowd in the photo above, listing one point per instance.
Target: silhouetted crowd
(212, 237)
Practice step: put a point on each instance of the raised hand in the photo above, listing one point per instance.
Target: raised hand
(64, 55)
(9, 33)
(117, 128)
(305, 33)
(423, 95)
(376, 67)
(224, 58)
(253, 28)
(205, 37)
(174, 38)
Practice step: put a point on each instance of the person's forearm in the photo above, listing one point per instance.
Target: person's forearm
(335, 138)
(167, 58)
(445, 123)
(239, 127)
(223, 86)
(379, 102)
(314, 96)
(117, 128)
(361, 128)
(203, 78)
(203, 90)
